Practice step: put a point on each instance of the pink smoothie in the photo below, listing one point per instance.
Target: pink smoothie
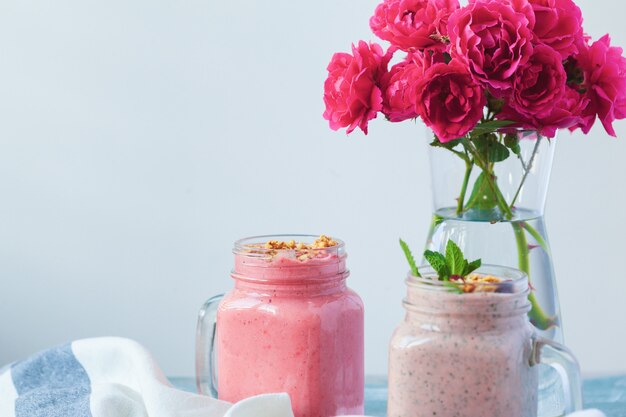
(292, 326)
(462, 355)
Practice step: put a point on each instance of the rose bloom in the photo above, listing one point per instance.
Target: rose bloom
(449, 101)
(564, 113)
(412, 25)
(399, 84)
(604, 70)
(494, 39)
(559, 25)
(351, 92)
(540, 82)
(541, 99)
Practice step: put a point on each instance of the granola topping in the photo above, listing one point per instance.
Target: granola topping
(321, 242)
(303, 251)
(479, 283)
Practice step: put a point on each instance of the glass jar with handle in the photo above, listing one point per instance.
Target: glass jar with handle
(290, 324)
(472, 354)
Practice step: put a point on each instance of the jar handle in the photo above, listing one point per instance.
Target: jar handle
(564, 362)
(206, 375)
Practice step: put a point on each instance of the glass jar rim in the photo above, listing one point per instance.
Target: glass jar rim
(514, 280)
(245, 246)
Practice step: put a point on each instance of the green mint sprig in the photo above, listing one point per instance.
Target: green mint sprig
(410, 258)
(451, 266)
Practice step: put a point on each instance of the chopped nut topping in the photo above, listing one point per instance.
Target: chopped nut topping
(277, 245)
(477, 283)
(323, 242)
(303, 251)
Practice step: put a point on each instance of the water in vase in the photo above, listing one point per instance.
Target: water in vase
(521, 240)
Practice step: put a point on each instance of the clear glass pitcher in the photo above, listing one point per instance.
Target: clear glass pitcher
(473, 354)
(290, 324)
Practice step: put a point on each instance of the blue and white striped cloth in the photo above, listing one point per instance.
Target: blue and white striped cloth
(112, 377)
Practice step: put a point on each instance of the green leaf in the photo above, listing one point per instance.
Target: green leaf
(454, 258)
(454, 287)
(447, 145)
(409, 258)
(472, 266)
(437, 220)
(491, 148)
(453, 263)
(511, 141)
(490, 126)
(482, 197)
(439, 264)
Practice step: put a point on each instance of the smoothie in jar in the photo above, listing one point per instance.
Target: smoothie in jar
(463, 355)
(292, 325)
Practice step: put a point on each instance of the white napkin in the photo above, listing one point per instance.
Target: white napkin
(112, 377)
(115, 377)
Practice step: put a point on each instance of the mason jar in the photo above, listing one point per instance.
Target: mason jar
(290, 324)
(472, 354)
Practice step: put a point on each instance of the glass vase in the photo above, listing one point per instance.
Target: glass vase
(494, 210)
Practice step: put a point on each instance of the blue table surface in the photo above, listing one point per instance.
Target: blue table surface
(606, 394)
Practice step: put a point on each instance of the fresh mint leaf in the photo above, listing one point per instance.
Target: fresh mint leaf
(455, 259)
(454, 287)
(472, 266)
(452, 264)
(409, 257)
(439, 264)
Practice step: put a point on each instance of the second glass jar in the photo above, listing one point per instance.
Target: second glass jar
(472, 354)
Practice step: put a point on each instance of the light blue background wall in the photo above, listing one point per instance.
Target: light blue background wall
(139, 139)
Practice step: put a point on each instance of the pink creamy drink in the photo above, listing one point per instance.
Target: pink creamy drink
(292, 325)
(464, 355)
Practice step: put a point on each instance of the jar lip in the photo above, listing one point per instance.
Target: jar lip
(514, 280)
(245, 246)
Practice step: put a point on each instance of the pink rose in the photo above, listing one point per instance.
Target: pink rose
(399, 84)
(493, 38)
(540, 82)
(412, 25)
(398, 87)
(541, 99)
(604, 70)
(520, 6)
(559, 25)
(351, 92)
(564, 113)
(449, 101)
